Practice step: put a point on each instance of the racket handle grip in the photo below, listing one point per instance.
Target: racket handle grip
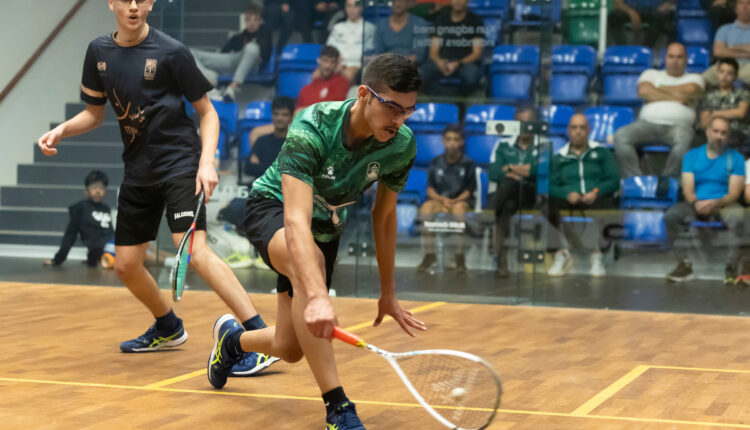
(344, 336)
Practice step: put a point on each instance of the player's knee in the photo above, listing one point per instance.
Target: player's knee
(125, 268)
(292, 354)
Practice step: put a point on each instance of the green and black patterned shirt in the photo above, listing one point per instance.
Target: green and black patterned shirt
(715, 100)
(314, 153)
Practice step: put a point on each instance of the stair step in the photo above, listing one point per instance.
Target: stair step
(48, 196)
(24, 218)
(73, 109)
(31, 237)
(79, 152)
(66, 173)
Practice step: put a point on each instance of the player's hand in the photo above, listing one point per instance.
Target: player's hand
(389, 305)
(49, 140)
(320, 317)
(206, 178)
(574, 198)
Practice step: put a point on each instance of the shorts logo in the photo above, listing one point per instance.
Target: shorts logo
(373, 170)
(149, 73)
(102, 66)
(184, 214)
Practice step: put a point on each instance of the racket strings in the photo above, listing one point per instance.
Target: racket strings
(462, 391)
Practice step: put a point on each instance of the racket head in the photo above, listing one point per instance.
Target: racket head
(178, 274)
(460, 390)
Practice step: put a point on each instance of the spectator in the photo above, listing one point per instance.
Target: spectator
(329, 12)
(667, 115)
(428, 8)
(243, 53)
(89, 218)
(450, 186)
(657, 15)
(720, 12)
(267, 147)
(402, 33)
(455, 49)
(728, 102)
(513, 166)
(712, 181)
(733, 41)
(327, 85)
(348, 37)
(583, 175)
(280, 15)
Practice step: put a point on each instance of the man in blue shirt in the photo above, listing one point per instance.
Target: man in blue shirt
(402, 33)
(713, 177)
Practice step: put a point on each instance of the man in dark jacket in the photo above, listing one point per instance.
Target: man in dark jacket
(583, 175)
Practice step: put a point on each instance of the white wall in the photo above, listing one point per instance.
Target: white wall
(55, 78)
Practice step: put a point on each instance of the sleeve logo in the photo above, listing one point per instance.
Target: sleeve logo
(102, 66)
(149, 73)
(373, 171)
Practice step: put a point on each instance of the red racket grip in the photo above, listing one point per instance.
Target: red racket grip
(344, 336)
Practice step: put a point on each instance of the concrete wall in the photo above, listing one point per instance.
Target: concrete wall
(40, 97)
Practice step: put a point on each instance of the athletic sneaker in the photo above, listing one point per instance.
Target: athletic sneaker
(730, 274)
(220, 361)
(597, 269)
(683, 272)
(563, 262)
(344, 418)
(154, 340)
(238, 260)
(252, 363)
(260, 264)
(427, 262)
(230, 93)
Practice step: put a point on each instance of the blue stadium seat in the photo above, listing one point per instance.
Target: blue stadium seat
(621, 90)
(526, 14)
(256, 113)
(479, 148)
(416, 187)
(558, 117)
(690, 8)
(484, 182)
(475, 121)
(568, 88)
(291, 82)
(626, 59)
(511, 87)
(557, 143)
(639, 192)
(605, 120)
(429, 146)
(579, 59)
(228, 121)
(374, 13)
(266, 75)
(695, 31)
(645, 227)
(433, 117)
(407, 214)
(303, 56)
(513, 70)
(492, 28)
(494, 8)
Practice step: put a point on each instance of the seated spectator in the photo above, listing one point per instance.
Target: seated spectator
(728, 102)
(456, 42)
(733, 41)
(267, 147)
(428, 8)
(348, 37)
(720, 12)
(450, 187)
(712, 181)
(329, 12)
(667, 115)
(513, 166)
(327, 85)
(402, 33)
(280, 15)
(583, 175)
(658, 15)
(243, 53)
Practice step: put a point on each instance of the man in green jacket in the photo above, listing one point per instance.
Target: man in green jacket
(583, 175)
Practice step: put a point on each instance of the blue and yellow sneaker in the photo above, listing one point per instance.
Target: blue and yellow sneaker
(252, 363)
(154, 340)
(344, 417)
(220, 361)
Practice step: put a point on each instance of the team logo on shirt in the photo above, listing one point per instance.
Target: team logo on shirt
(102, 66)
(103, 218)
(149, 73)
(329, 174)
(373, 170)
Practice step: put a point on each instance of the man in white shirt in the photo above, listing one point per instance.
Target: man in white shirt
(348, 36)
(670, 97)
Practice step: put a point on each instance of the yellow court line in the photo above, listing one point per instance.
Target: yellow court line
(200, 372)
(610, 391)
(378, 403)
(700, 369)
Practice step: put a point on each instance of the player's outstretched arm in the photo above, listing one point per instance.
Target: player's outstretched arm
(384, 225)
(309, 271)
(87, 120)
(209, 126)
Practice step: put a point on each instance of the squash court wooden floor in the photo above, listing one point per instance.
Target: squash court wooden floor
(61, 368)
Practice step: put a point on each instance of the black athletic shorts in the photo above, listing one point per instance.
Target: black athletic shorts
(263, 218)
(139, 210)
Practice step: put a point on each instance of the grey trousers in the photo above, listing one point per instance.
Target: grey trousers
(239, 64)
(682, 214)
(627, 138)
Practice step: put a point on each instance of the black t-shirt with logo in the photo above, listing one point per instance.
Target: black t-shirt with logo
(456, 37)
(145, 84)
(92, 221)
(451, 179)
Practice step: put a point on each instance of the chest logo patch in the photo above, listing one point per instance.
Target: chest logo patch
(329, 174)
(149, 72)
(102, 66)
(373, 171)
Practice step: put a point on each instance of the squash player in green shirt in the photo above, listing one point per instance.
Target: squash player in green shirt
(333, 152)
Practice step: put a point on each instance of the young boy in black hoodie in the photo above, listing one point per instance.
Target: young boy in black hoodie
(91, 219)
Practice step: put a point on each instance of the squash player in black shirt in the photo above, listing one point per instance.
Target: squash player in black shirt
(145, 74)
